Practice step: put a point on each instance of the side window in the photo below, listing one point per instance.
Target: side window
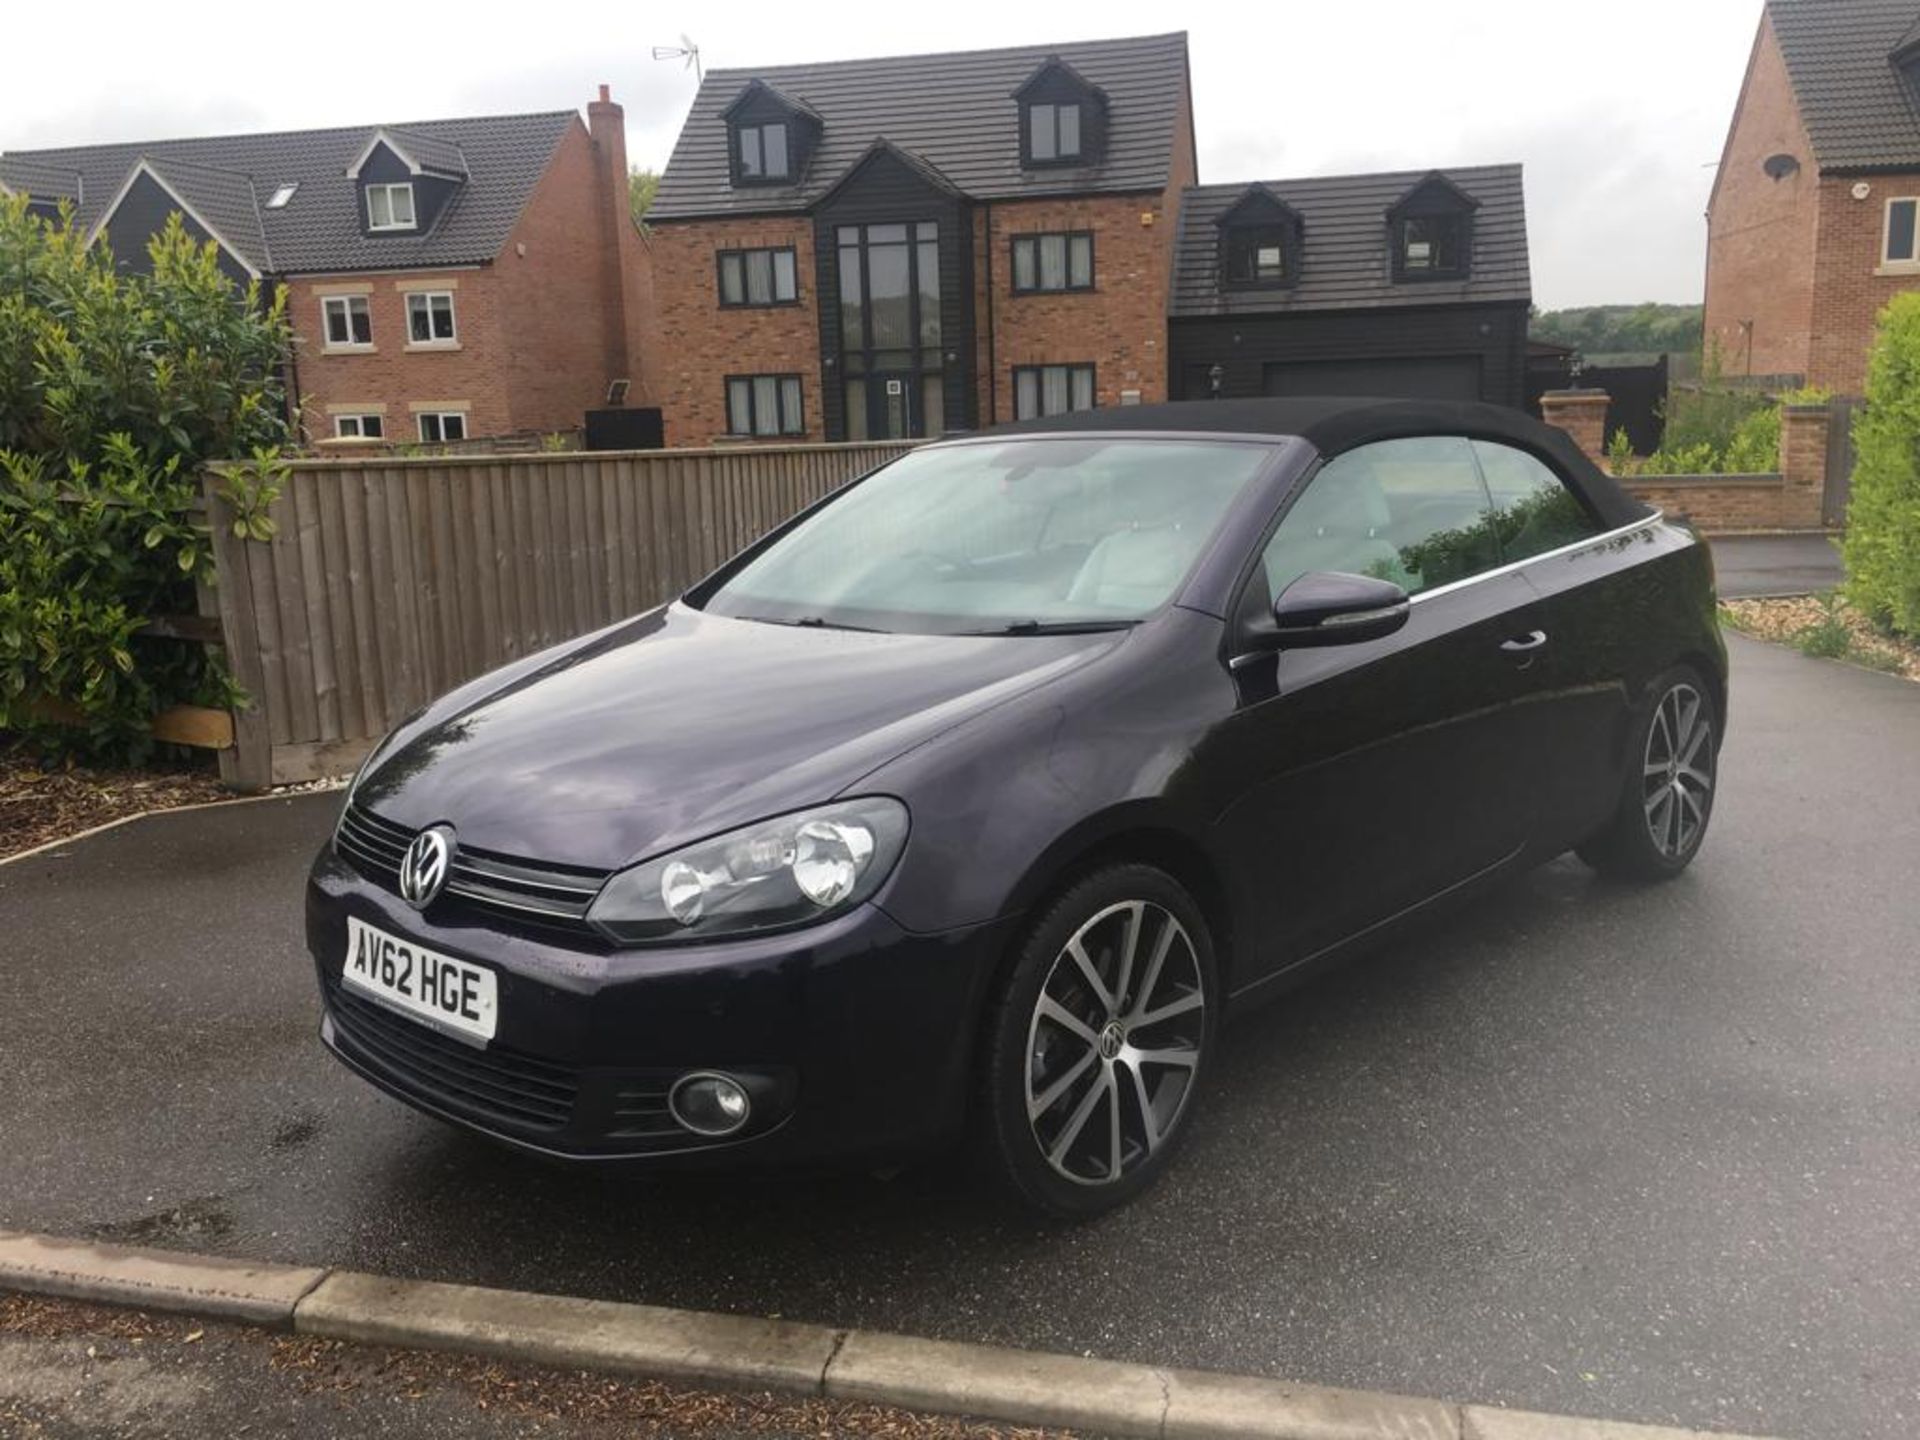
(1533, 510)
(1410, 511)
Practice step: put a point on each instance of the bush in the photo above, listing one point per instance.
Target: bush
(1882, 545)
(115, 390)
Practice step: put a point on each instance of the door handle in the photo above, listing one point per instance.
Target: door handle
(1523, 644)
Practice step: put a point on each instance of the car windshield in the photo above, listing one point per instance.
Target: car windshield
(1019, 536)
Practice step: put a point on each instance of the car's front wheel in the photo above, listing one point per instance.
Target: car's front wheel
(1097, 1042)
(1668, 796)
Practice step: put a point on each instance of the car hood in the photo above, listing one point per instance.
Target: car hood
(682, 724)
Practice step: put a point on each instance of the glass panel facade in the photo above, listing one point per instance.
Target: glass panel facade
(891, 326)
(888, 297)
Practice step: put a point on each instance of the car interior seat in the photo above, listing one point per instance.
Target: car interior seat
(1342, 524)
(1135, 567)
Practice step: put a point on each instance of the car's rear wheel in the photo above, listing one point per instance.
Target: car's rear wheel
(1096, 1045)
(1667, 799)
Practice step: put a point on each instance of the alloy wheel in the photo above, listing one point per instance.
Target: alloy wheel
(1677, 781)
(1113, 1047)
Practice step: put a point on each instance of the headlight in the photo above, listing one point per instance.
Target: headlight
(781, 872)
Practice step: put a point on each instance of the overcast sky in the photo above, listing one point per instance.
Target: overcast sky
(1617, 110)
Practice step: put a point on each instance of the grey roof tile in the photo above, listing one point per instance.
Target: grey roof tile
(318, 232)
(43, 182)
(225, 201)
(438, 153)
(956, 112)
(1345, 263)
(1858, 112)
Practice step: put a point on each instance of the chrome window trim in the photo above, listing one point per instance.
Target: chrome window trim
(1512, 565)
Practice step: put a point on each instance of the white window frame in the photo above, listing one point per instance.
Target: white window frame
(387, 190)
(1889, 260)
(440, 418)
(282, 195)
(358, 422)
(346, 304)
(433, 342)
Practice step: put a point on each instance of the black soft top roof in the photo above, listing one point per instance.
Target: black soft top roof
(1333, 423)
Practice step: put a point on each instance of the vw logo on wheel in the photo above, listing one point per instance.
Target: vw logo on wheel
(423, 869)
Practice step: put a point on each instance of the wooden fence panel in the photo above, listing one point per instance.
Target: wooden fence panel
(390, 581)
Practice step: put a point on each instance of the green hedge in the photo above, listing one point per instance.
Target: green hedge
(1882, 545)
(115, 389)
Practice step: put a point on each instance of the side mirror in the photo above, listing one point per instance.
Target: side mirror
(1327, 607)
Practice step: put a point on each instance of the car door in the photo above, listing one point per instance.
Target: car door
(1591, 613)
(1367, 778)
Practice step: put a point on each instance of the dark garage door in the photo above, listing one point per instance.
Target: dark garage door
(1444, 377)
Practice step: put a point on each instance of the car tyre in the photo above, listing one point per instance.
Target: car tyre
(1666, 800)
(1097, 1043)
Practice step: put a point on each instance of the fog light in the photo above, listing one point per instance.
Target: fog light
(709, 1104)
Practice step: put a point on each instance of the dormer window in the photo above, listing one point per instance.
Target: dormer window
(390, 207)
(1257, 255)
(1063, 117)
(1260, 242)
(763, 151)
(1432, 245)
(769, 135)
(1053, 132)
(1430, 231)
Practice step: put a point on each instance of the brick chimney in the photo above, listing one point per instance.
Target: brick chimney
(607, 125)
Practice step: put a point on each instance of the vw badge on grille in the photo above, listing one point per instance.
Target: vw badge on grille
(423, 869)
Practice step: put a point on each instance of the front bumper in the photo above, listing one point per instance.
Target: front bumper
(854, 1036)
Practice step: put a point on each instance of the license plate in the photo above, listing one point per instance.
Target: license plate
(450, 995)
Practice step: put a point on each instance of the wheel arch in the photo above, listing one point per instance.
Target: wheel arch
(1136, 834)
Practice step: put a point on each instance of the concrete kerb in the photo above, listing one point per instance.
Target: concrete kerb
(738, 1352)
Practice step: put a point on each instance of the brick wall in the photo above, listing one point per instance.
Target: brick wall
(1790, 500)
(697, 344)
(1851, 282)
(392, 375)
(1760, 230)
(1120, 325)
(561, 295)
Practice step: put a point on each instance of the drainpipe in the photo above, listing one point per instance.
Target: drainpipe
(993, 369)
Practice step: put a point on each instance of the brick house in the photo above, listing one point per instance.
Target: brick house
(874, 248)
(1410, 284)
(1814, 220)
(445, 280)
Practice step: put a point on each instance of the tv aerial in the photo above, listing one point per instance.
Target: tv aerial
(686, 50)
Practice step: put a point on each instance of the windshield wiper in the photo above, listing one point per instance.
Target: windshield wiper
(1055, 627)
(813, 622)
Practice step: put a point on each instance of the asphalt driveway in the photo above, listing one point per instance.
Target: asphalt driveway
(1649, 1154)
(1751, 566)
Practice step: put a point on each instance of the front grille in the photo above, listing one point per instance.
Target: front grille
(640, 1109)
(549, 896)
(495, 1085)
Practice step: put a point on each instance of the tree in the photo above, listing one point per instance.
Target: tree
(641, 186)
(1882, 545)
(115, 390)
